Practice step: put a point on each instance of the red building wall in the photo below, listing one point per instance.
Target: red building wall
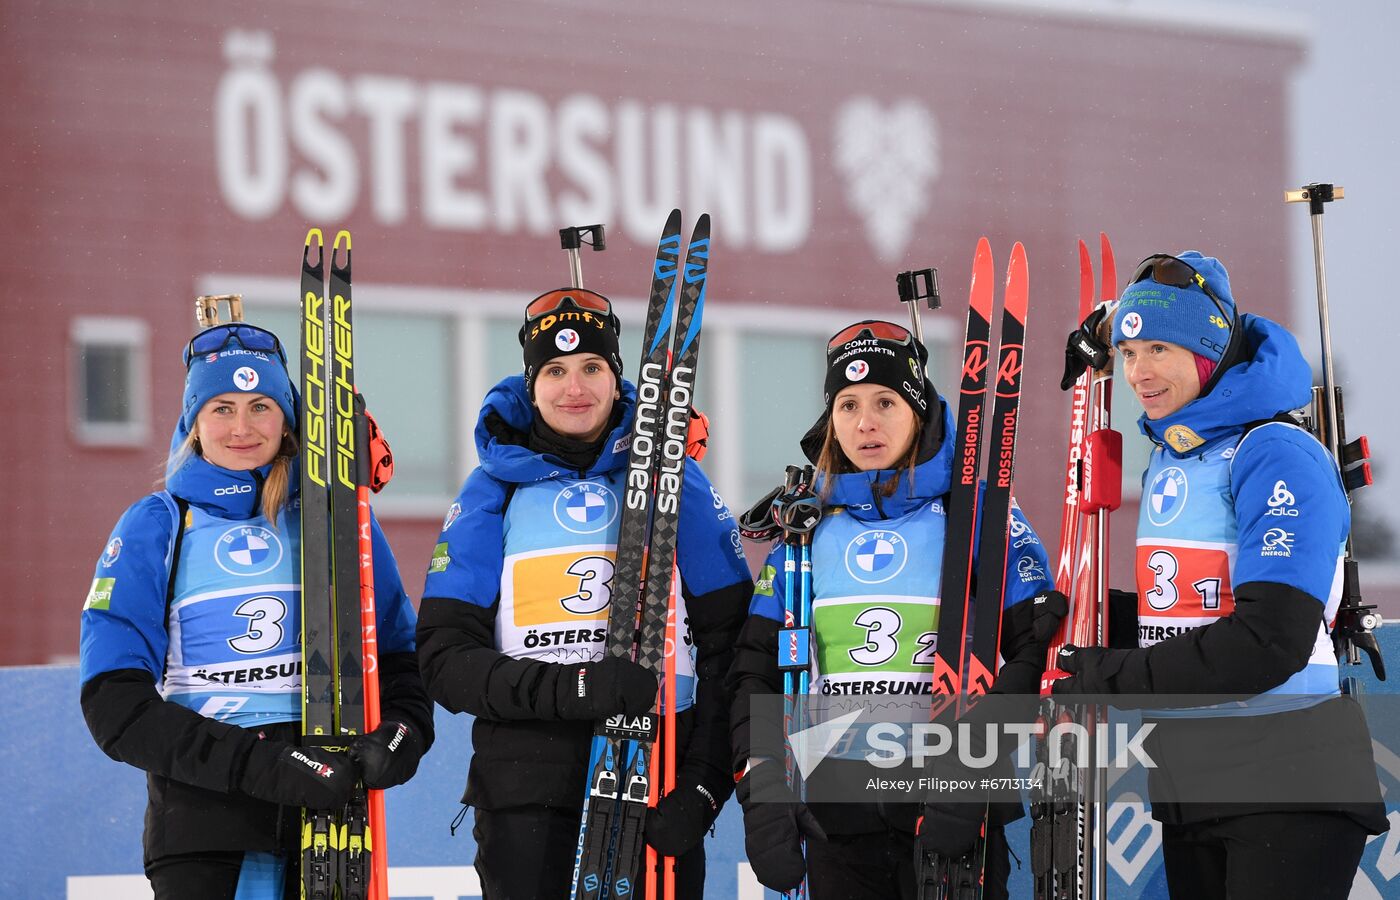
(1045, 127)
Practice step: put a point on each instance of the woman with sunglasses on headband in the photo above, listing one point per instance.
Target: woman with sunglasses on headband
(190, 647)
(884, 455)
(1239, 570)
(514, 615)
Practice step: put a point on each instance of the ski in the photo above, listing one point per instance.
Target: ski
(1066, 859)
(317, 598)
(618, 785)
(994, 535)
(336, 844)
(965, 661)
(961, 509)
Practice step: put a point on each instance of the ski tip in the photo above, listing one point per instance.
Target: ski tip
(1017, 283)
(342, 235)
(1110, 269)
(673, 222)
(315, 233)
(1086, 281)
(983, 278)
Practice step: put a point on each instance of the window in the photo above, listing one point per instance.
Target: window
(110, 381)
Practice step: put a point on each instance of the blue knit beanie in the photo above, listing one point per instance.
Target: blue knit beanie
(236, 370)
(1185, 316)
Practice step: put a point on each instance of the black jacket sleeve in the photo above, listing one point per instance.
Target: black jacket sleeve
(133, 724)
(753, 672)
(1268, 637)
(715, 622)
(402, 697)
(464, 672)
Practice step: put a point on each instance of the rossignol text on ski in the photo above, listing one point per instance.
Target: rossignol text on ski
(965, 659)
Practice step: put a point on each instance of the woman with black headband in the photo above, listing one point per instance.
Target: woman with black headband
(884, 456)
(1239, 571)
(514, 613)
(190, 649)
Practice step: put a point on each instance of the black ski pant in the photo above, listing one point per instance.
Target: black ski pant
(880, 866)
(1264, 856)
(212, 875)
(527, 853)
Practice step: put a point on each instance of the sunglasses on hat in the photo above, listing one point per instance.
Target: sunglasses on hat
(1172, 272)
(872, 328)
(554, 301)
(249, 337)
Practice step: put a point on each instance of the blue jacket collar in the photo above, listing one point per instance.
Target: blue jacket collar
(1274, 378)
(226, 493)
(932, 479)
(516, 463)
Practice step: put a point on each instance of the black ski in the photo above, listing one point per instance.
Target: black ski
(335, 843)
(966, 653)
(996, 502)
(961, 510)
(317, 599)
(618, 786)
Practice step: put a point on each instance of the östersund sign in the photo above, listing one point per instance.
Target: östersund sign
(468, 157)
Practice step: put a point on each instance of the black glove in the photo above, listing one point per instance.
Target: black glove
(773, 828)
(596, 690)
(680, 819)
(388, 755)
(1093, 670)
(1048, 610)
(951, 829)
(284, 773)
(1085, 347)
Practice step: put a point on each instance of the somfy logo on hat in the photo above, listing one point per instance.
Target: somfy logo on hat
(857, 370)
(566, 339)
(1132, 325)
(246, 378)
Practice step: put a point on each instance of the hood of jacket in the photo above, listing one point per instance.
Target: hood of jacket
(1273, 378)
(503, 427)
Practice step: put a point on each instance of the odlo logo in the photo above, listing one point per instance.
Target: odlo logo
(1281, 503)
(233, 489)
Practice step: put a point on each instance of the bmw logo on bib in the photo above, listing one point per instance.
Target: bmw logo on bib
(248, 550)
(585, 508)
(1166, 498)
(873, 557)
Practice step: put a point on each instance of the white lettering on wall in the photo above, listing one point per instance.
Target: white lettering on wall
(498, 157)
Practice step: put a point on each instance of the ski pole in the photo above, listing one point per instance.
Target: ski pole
(377, 842)
(571, 238)
(797, 511)
(1356, 620)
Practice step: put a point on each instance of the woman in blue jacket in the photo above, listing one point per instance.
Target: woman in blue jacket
(513, 621)
(190, 648)
(884, 455)
(1239, 572)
